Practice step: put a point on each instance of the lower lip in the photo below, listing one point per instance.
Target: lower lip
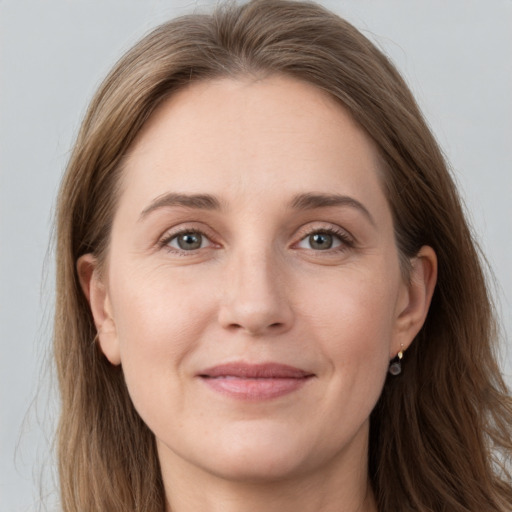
(255, 389)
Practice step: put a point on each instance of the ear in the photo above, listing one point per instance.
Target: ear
(97, 295)
(414, 302)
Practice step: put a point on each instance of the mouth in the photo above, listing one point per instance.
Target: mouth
(255, 381)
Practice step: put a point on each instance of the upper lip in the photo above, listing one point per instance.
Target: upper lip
(255, 371)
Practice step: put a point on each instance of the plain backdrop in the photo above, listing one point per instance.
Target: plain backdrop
(455, 55)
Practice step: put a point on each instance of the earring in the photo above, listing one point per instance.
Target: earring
(395, 366)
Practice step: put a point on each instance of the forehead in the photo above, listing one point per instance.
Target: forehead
(238, 137)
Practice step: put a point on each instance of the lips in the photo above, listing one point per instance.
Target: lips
(255, 381)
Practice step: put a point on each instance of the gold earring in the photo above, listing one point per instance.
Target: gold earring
(395, 366)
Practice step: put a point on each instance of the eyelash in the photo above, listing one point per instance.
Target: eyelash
(164, 242)
(346, 240)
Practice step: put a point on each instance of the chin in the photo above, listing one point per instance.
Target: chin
(258, 466)
(261, 454)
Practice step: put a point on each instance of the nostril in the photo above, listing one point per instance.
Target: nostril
(257, 330)
(254, 318)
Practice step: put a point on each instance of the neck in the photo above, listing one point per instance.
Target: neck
(280, 497)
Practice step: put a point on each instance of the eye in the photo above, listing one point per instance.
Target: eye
(187, 241)
(322, 240)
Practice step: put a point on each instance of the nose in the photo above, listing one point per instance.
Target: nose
(255, 297)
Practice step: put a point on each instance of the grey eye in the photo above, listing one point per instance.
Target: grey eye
(188, 241)
(320, 241)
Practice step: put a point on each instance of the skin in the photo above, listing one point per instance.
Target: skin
(257, 290)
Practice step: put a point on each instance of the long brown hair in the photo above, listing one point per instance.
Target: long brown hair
(440, 434)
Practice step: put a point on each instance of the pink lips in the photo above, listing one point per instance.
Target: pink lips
(255, 381)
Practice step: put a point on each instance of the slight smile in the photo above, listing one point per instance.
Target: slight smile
(245, 381)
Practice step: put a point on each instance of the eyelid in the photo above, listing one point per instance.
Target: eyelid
(170, 234)
(346, 238)
(205, 241)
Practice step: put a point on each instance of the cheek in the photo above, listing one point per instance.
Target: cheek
(159, 323)
(356, 305)
(353, 320)
(157, 308)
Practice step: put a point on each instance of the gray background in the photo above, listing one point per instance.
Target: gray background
(53, 54)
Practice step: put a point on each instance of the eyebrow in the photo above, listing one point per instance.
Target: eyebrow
(307, 201)
(196, 201)
(311, 201)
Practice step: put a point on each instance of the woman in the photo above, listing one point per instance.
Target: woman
(268, 295)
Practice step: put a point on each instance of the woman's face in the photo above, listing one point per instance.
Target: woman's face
(252, 292)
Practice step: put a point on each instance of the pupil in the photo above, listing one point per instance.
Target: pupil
(190, 241)
(321, 241)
